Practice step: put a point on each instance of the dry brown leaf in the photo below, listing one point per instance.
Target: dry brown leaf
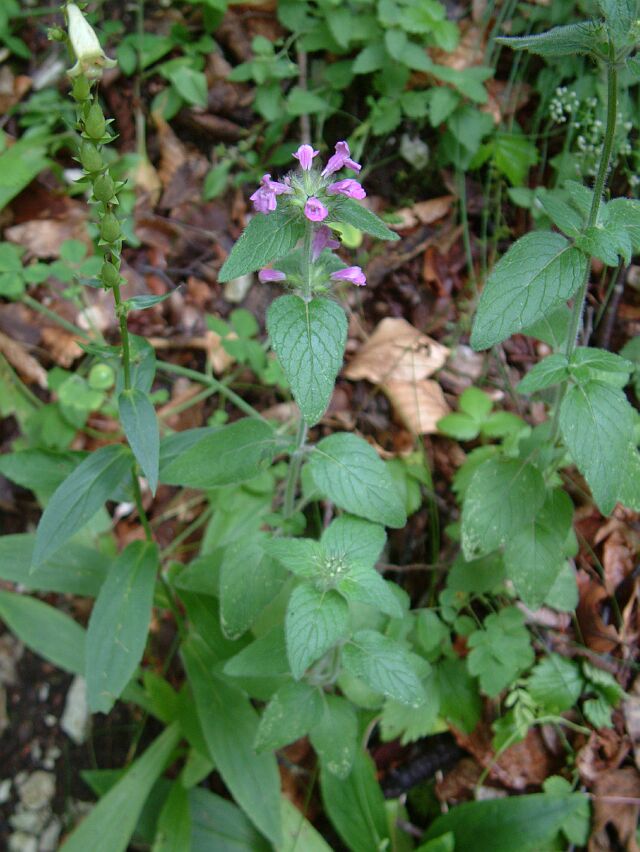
(420, 404)
(470, 49)
(62, 346)
(424, 212)
(44, 237)
(25, 364)
(147, 180)
(631, 713)
(173, 154)
(614, 805)
(599, 636)
(12, 89)
(396, 351)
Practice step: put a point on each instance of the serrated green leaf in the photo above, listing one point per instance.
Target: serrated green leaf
(309, 340)
(47, 631)
(354, 539)
(79, 497)
(500, 651)
(461, 427)
(555, 684)
(314, 622)
(503, 496)
(117, 631)
(355, 805)
(140, 424)
(365, 585)
(563, 215)
(267, 237)
(249, 580)
(111, 823)
(598, 712)
(563, 595)
(302, 556)
(229, 724)
(538, 273)
(351, 213)
(226, 456)
(583, 37)
(349, 472)
(335, 736)
(606, 242)
(291, 713)
(624, 213)
(550, 371)
(407, 723)
(596, 422)
(590, 363)
(384, 665)
(534, 554)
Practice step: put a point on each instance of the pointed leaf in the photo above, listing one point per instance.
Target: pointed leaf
(230, 724)
(503, 497)
(267, 237)
(76, 501)
(365, 585)
(117, 632)
(351, 213)
(559, 41)
(314, 622)
(596, 422)
(110, 825)
(173, 833)
(309, 340)
(47, 631)
(538, 273)
(335, 736)
(349, 472)
(384, 665)
(231, 454)
(354, 539)
(291, 713)
(140, 425)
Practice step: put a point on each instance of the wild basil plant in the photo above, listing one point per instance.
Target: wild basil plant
(297, 623)
(514, 500)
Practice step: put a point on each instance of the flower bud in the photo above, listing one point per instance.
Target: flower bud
(90, 157)
(81, 89)
(110, 228)
(104, 188)
(109, 274)
(91, 58)
(95, 123)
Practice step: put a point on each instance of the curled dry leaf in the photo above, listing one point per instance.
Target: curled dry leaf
(25, 364)
(62, 346)
(420, 404)
(44, 237)
(597, 634)
(616, 803)
(631, 713)
(396, 351)
(424, 212)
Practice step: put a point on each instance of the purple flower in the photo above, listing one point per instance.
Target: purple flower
(314, 210)
(267, 275)
(353, 274)
(305, 155)
(264, 198)
(350, 188)
(323, 239)
(340, 160)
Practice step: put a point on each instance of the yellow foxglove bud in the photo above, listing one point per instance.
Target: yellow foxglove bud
(91, 58)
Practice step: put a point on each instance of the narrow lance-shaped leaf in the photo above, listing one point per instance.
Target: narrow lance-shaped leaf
(229, 724)
(309, 340)
(109, 826)
(47, 631)
(232, 454)
(582, 37)
(140, 425)
(76, 501)
(119, 622)
(354, 214)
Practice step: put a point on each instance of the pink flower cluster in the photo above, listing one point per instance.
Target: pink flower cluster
(308, 188)
(265, 197)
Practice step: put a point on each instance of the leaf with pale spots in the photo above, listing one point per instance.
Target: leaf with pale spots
(335, 736)
(291, 713)
(384, 665)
